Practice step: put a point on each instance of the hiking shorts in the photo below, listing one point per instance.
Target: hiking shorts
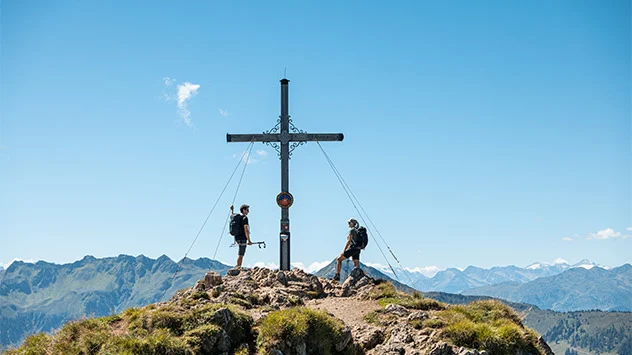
(242, 246)
(353, 253)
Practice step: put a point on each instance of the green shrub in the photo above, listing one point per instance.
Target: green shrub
(487, 325)
(240, 302)
(33, 345)
(200, 295)
(286, 328)
(199, 338)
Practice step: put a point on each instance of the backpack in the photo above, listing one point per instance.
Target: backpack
(236, 229)
(363, 238)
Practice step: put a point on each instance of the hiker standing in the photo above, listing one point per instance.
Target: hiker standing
(243, 235)
(351, 250)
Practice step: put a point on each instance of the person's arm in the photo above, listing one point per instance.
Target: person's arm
(347, 245)
(247, 232)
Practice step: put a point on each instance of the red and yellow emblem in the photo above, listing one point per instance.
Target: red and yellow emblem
(285, 199)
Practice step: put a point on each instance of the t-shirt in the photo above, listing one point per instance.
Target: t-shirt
(353, 232)
(244, 222)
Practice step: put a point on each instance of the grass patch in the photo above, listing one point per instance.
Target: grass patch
(385, 293)
(383, 290)
(285, 329)
(424, 304)
(485, 325)
(372, 318)
(150, 330)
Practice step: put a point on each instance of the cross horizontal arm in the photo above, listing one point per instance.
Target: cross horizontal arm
(322, 137)
(287, 137)
(265, 137)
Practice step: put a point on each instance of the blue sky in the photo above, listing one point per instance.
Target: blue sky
(476, 133)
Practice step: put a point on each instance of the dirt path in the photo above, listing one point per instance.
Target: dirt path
(348, 309)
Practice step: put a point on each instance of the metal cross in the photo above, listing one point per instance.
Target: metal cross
(289, 137)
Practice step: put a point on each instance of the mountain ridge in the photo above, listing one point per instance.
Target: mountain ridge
(573, 290)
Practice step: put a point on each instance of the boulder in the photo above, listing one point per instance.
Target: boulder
(419, 315)
(397, 310)
(346, 337)
(212, 279)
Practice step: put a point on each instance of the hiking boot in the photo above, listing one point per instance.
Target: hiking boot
(336, 277)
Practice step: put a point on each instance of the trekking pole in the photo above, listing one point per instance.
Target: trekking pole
(246, 244)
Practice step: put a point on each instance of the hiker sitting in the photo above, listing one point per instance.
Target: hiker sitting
(242, 233)
(351, 250)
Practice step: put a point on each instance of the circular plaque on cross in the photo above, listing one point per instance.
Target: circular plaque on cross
(284, 199)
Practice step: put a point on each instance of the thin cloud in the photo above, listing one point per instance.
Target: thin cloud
(246, 159)
(168, 81)
(223, 112)
(185, 92)
(607, 233)
(262, 153)
(182, 94)
(629, 229)
(567, 239)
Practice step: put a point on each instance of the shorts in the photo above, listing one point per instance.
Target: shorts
(242, 246)
(353, 253)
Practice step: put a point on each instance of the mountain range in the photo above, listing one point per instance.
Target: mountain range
(454, 280)
(41, 296)
(574, 289)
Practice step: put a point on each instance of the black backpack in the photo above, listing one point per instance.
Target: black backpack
(236, 229)
(363, 238)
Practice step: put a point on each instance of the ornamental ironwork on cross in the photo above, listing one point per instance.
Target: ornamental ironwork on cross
(284, 137)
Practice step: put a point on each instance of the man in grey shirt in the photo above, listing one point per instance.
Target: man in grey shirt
(351, 249)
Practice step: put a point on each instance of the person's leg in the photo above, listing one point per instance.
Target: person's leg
(241, 253)
(339, 264)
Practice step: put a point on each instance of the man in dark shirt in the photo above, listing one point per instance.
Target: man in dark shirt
(244, 237)
(351, 250)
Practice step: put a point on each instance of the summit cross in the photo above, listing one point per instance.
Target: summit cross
(284, 137)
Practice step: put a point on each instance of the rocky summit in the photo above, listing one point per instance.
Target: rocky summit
(263, 311)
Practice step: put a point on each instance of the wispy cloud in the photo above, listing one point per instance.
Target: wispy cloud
(629, 229)
(185, 92)
(223, 112)
(567, 239)
(262, 153)
(246, 159)
(607, 233)
(168, 81)
(315, 266)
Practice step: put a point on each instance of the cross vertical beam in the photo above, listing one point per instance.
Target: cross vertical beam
(284, 236)
(284, 133)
